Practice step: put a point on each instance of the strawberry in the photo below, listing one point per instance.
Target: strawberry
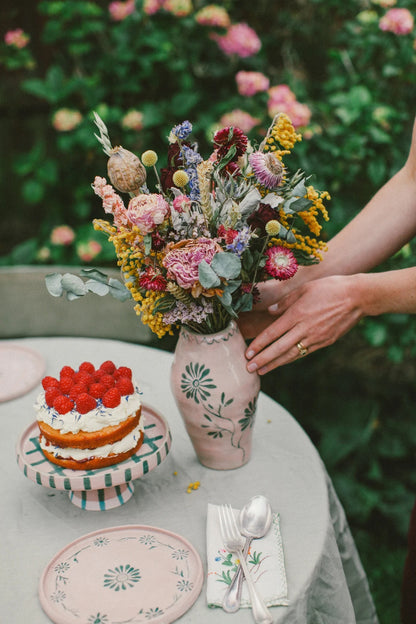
(123, 371)
(50, 395)
(125, 385)
(76, 390)
(108, 367)
(63, 404)
(112, 398)
(67, 371)
(85, 403)
(87, 367)
(108, 381)
(97, 390)
(66, 384)
(50, 382)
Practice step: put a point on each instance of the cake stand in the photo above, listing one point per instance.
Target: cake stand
(103, 488)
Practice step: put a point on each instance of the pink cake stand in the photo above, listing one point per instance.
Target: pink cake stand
(104, 488)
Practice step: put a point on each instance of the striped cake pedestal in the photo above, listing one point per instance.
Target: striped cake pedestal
(104, 488)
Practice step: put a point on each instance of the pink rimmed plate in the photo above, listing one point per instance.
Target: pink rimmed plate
(131, 574)
(21, 369)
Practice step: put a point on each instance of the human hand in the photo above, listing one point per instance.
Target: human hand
(314, 316)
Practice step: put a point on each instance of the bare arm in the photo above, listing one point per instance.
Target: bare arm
(317, 309)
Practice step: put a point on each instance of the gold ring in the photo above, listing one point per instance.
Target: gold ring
(302, 349)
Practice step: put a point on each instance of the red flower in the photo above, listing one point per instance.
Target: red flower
(259, 218)
(225, 138)
(157, 241)
(249, 288)
(281, 263)
(151, 280)
(227, 235)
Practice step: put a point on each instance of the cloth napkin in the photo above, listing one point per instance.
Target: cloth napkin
(265, 562)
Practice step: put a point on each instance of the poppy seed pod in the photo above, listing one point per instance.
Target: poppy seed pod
(125, 170)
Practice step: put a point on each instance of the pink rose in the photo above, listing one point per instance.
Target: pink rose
(147, 211)
(181, 203)
(183, 259)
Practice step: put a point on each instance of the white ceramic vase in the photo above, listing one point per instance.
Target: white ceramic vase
(216, 395)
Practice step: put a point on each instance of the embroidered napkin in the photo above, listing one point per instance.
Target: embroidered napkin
(265, 561)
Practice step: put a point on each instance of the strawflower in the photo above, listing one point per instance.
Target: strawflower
(268, 169)
(397, 21)
(240, 40)
(17, 38)
(281, 263)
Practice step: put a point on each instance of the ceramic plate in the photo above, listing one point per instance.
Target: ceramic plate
(127, 574)
(155, 447)
(21, 370)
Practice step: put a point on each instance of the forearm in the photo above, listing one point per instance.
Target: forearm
(387, 292)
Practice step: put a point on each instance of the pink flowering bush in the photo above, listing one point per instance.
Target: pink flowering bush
(213, 15)
(283, 100)
(120, 10)
(88, 251)
(240, 40)
(397, 21)
(240, 119)
(62, 235)
(133, 120)
(65, 120)
(17, 38)
(250, 82)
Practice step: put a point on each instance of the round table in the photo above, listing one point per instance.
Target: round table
(324, 574)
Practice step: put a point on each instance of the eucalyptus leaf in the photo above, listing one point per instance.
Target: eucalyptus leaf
(245, 303)
(98, 288)
(53, 284)
(147, 240)
(72, 296)
(95, 274)
(207, 277)
(291, 238)
(226, 264)
(118, 290)
(73, 284)
(299, 190)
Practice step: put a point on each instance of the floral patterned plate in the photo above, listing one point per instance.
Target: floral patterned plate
(122, 574)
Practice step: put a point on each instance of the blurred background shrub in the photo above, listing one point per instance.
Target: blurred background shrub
(343, 71)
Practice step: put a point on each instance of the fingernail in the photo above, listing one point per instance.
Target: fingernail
(251, 367)
(250, 354)
(273, 307)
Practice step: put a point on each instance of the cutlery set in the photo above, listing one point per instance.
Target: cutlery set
(254, 522)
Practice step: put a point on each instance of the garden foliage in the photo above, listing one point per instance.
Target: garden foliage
(344, 71)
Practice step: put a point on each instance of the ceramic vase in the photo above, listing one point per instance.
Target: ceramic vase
(216, 395)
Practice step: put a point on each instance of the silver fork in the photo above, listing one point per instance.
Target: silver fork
(234, 542)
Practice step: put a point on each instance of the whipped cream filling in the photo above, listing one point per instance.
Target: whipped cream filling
(126, 444)
(94, 420)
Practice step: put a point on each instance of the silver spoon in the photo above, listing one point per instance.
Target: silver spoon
(254, 520)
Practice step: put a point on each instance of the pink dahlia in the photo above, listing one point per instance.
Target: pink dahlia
(281, 263)
(226, 138)
(183, 259)
(147, 211)
(397, 21)
(251, 82)
(240, 40)
(267, 168)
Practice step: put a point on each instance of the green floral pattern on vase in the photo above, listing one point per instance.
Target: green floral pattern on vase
(216, 395)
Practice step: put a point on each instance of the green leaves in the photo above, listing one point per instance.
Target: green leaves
(224, 265)
(74, 287)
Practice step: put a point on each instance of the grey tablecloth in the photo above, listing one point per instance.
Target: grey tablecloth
(326, 582)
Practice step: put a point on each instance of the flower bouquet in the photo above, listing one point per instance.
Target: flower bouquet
(193, 249)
